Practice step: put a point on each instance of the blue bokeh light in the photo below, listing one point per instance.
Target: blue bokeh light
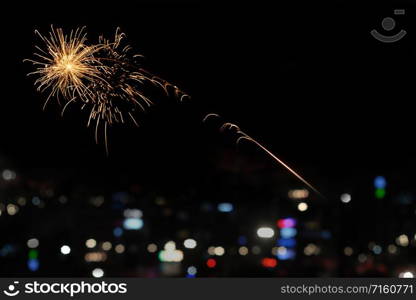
(380, 182)
(225, 207)
(133, 223)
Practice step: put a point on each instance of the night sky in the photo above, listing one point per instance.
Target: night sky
(309, 81)
(305, 79)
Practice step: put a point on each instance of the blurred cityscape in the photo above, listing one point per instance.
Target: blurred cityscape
(245, 220)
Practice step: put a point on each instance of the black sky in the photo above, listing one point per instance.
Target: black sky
(306, 79)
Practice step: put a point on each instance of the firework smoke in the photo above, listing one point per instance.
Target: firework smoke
(244, 136)
(105, 77)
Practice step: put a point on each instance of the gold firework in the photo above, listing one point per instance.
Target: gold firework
(106, 77)
(244, 136)
(66, 65)
(122, 93)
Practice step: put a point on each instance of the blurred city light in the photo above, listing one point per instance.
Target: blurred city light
(311, 249)
(348, 251)
(256, 250)
(33, 254)
(170, 253)
(190, 243)
(119, 248)
(33, 243)
(345, 198)
(265, 232)
(286, 223)
(211, 263)
(276, 249)
(95, 257)
(380, 193)
(33, 264)
(243, 251)
(98, 273)
(377, 249)
(211, 250)
(392, 249)
(269, 262)
(225, 207)
(133, 224)
(118, 232)
(362, 258)
(8, 175)
(303, 206)
(133, 213)
(21, 201)
(171, 256)
(407, 274)
(380, 182)
(12, 209)
(287, 233)
(33, 261)
(152, 248)
(298, 194)
(234, 246)
(170, 246)
(65, 250)
(289, 243)
(192, 270)
(91, 243)
(7, 250)
(242, 240)
(219, 251)
(284, 253)
(402, 240)
(133, 219)
(106, 246)
(97, 201)
(36, 201)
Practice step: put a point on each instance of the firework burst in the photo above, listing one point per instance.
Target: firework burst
(65, 65)
(108, 79)
(105, 77)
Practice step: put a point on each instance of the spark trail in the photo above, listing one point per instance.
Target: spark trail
(244, 136)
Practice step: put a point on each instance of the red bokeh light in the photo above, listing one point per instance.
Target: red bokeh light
(269, 262)
(286, 223)
(211, 263)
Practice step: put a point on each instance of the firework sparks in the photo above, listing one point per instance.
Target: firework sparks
(66, 65)
(106, 77)
(122, 92)
(244, 136)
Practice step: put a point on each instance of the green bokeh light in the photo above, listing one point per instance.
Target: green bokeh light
(33, 254)
(380, 193)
